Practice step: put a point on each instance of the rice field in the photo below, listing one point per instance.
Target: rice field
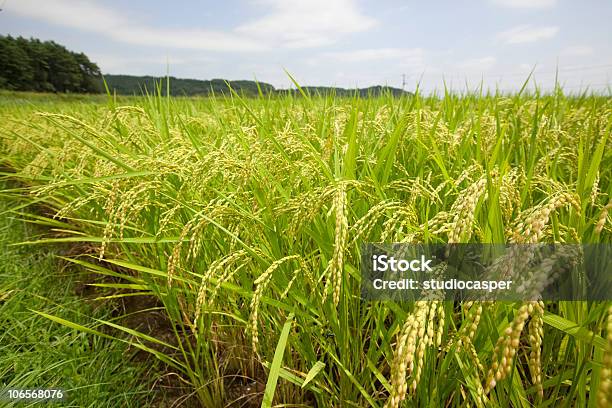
(243, 219)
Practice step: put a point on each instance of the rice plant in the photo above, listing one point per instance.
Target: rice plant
(244, 219)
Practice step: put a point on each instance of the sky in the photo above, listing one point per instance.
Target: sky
(347, 43)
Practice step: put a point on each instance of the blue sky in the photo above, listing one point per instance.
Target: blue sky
(334, 42)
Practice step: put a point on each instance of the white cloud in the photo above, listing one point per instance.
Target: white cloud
(289, 23)
(313, 23)
(400, 55)
(524, 67)
(93, 17)
(527, 34)
(478, 64)
(577, 51)
(146, 64)
(527, 4)
(361, 67)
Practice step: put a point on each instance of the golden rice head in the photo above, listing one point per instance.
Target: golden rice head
(417, 333)
(440, 330)
(111, 211)
(462, 211)
(468, 347)
(425, 335)
(220, 270)
(174, 260)
(603, 216)
(472, 319)
(536, 333)
(533, 221)
(261, 283)
(365, 224)
(305, 207)
(336, 266)
(506, 348)
(509, 192)
(595, 189)
(403, 358)
(604, 394)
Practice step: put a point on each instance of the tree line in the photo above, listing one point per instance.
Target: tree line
(138, 85)
(45, 66)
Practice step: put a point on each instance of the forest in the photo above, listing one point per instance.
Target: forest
(45, 66)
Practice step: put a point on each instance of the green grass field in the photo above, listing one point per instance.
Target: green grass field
(243, 220)
(37, 353)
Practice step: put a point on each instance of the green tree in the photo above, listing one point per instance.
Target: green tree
(33, 65)
(16, 71)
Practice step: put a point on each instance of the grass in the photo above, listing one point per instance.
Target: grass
(242, 215)
(37, 353)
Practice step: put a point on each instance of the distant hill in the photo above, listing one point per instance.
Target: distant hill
(136, 85)
(369, 91)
